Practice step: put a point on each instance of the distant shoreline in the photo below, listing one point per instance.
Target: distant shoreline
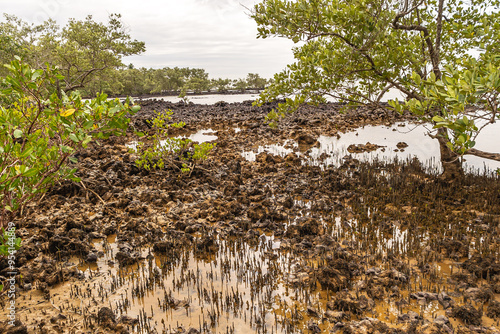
(176, 94)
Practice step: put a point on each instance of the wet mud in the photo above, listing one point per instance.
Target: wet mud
(269, 235)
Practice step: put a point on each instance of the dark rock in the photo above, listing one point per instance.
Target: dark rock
(66, 245)
(18, 328)
(313, 327)
(265, 157)
(106, 317)
(360, 148)
(304, 227)
(442, 320)
(467, 313)
(424, 297)
(92, 257)
(332, 278)
(347, 303)
(443, 325)
(445, 300)
(483, 294)
(401, 145)
(256, 212)
(335, 316)
(482, 266)
(220, 104)
(493, 310)
(207, 243)
(313, 312)
(373, 271)
(409, 317)
(162, 246)
(125, 258)
(305, 139)
(125, 319)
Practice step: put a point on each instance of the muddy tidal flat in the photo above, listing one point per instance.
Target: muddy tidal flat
(334, 222)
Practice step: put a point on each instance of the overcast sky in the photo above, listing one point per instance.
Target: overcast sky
(217, 35)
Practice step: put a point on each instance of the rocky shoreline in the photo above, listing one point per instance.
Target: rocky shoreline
(373, 235)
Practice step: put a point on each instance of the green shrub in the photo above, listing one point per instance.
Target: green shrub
(8, 241)
(40, 131)
(160, 149)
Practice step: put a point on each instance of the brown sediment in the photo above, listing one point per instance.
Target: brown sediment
(275, 245)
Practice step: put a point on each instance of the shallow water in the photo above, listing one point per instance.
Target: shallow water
(200, 136)
(209, 99)
(237, 289)
(235, 98)
(242, 288)
(330, 151)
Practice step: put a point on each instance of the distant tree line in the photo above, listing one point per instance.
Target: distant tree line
(89, 57)
(143, 81)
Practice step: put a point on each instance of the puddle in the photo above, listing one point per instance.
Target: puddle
(200, 136)
(108, 247)
(132, 145)
(275, 149)
(237, 289)
(331, 150)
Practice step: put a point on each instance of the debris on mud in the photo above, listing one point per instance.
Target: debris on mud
(360, 148)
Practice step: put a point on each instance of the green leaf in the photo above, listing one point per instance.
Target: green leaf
(74, 138)
(36, 75)
(18, 133)
(66, 149)
(438, 119)
(88, 125)
(27, 152)
(416, 78)
(30, 172)
(87, 140)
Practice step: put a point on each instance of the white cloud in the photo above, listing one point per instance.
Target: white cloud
(217, 35)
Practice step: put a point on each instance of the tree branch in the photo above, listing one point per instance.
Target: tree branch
(417, 27)
(374, 68)
(482, 154)
(82, 78)
(439, 28)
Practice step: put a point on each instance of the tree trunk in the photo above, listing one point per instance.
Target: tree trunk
(58, 90)
(452, 165)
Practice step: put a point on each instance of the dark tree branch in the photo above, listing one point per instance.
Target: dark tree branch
(417, 27)
(80, 84)
(482, 154)
(374, 67)
(439, 29)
